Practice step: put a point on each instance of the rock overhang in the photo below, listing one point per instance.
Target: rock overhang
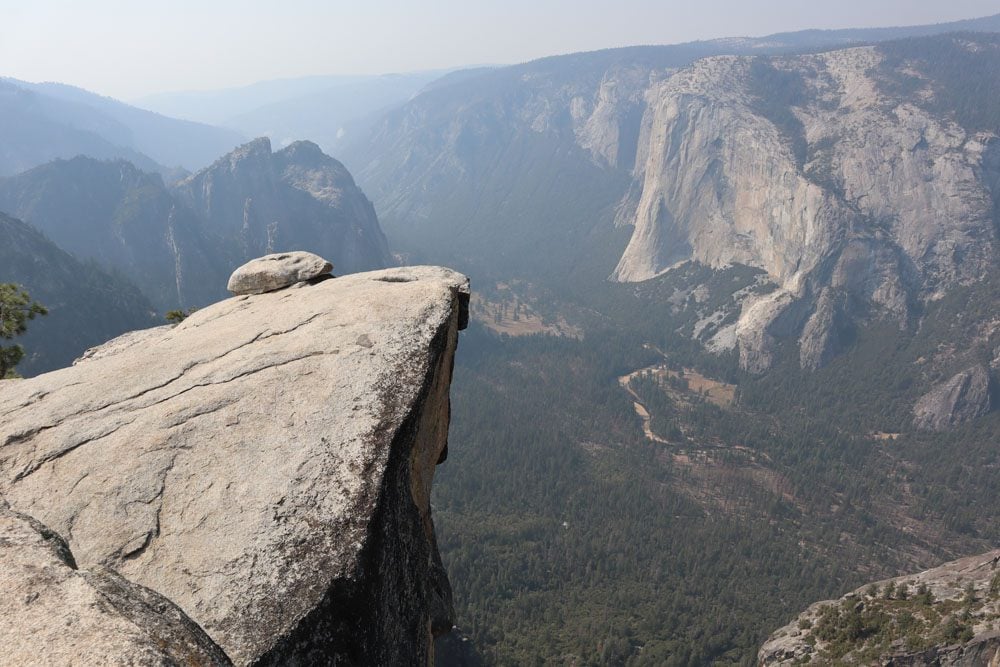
(260, 439)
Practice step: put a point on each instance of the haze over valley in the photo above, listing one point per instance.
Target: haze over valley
(731, 351)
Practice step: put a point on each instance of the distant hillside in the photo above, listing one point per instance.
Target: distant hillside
(329, 116)
(180, 244)
(502, 167)
(45, 121)
(87, 306)
(323, 109)
(116, 215)
(217, 106)
(31, 133)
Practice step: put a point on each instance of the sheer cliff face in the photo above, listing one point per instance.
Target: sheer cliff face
(500, 169)
(265, 466)
(720, 184)
(807, 168)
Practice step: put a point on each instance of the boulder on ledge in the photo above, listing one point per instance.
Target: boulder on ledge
(273, 272)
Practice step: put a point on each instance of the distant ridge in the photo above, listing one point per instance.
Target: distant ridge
(40, 122)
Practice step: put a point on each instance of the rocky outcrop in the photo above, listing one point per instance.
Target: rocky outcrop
(763, 321)
(58, 614)
(944, 616)
(821, 339)
(961, 399)
(265, 465)
(810, 168)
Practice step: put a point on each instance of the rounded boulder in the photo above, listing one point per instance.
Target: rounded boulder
(273, 272)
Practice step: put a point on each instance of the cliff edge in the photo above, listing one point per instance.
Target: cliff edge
(265, 466)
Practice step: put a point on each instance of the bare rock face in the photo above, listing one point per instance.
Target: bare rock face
(266, 465)
(945, 616)
(820, 340)
(845, 186)
(57, 614)
(762, 321)
(961, 399)
(272, 272)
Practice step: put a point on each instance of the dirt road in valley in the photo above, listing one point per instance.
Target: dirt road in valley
(626, 382)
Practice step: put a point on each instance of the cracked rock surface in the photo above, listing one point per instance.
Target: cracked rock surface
(265, 465)
(57, 614)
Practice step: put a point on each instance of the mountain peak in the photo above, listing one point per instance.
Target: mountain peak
(259, 147)
(306, 154)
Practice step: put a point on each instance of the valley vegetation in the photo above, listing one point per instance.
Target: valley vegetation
(572, 538)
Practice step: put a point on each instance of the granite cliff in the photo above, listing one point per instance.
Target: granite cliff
(255, 481)
(862, 180)
(856, 199)
(295, 197)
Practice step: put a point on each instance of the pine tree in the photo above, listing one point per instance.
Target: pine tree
(16, 308)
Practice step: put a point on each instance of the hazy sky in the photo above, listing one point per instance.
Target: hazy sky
(128, 48)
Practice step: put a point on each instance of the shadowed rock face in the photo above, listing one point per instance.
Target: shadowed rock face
(294, 198)
(961, 399)
(265, 465)
(947, 617)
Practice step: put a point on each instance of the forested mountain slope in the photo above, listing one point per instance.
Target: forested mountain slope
(86, 305)
(576, 531)
(180, 244)
(122, 218)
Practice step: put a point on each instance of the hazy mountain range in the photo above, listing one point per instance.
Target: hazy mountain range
(180, 243)
(324, 109)
(43, 121)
